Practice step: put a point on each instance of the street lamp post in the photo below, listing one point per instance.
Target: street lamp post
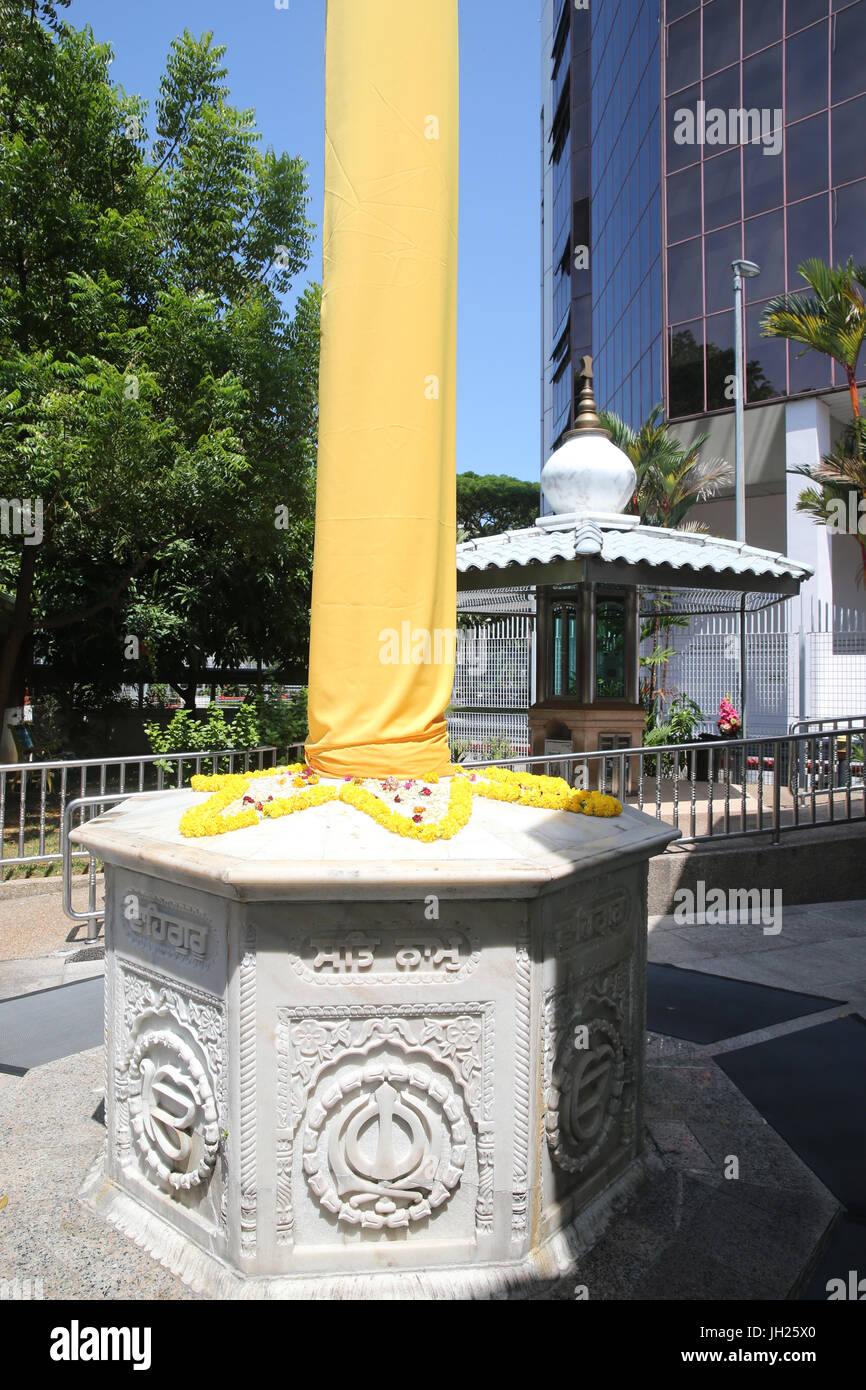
(742, 270)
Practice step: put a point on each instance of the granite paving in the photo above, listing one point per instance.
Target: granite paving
(727, 1210)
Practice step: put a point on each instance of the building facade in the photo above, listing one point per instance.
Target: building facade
(691, 134)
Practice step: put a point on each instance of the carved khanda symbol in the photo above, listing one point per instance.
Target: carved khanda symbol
(173, 1109)
(593, 1077)
(391, 1170)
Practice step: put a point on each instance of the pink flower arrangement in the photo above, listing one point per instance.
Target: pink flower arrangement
(729, 721)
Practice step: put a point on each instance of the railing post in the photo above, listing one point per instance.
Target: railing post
(777, 791)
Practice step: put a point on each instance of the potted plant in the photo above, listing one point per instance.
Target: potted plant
(729, 722)
(682, 719)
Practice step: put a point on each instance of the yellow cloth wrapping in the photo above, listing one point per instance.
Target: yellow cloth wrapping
(384, 579)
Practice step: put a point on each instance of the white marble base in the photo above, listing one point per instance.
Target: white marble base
(333, 1055)
(556, 1258)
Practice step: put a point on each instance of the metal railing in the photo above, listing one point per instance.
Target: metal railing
(730, 787)
(34, 796)
(93, 914)
(842, 721)
(727, 788)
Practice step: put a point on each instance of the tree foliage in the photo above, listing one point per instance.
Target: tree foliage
(492, 503)
(830, 320)
(156, 397)
(671, 478)
(839, 481)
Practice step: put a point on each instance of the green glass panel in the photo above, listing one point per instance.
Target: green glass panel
(572, 652)
(556, 683)
(610, 649)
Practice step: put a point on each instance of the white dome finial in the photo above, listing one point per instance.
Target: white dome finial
(588, 475)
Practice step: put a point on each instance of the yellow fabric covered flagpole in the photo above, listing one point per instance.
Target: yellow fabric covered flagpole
(384, 581)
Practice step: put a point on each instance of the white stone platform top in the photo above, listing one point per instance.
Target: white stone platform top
(335, 850)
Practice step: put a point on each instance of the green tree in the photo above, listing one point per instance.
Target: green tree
(156, 399)
(840, 475)
(492, 503)
(671, 478)
(832, 319)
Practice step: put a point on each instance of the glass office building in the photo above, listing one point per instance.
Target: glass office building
(626, 207)
(601, 207)
(565, 210)
(795, 69)
(676, 137)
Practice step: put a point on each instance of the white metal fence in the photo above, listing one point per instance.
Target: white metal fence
(804, 660)
(34, 796)
(732, 787)
(706, 666)
(478, 735)
(493, 688)
(494, 665)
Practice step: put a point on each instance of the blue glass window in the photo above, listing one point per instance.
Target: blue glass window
(721, 249)
(686, 368)
(762, 80)
(722, 202)
(849, 230)
(684, 204)
(766, 358)
(765, 244)
(721, 34)
(806, 73)
(848, 70)
(763, 24)
(677, 8)
(762, 179)
(808, 235)
(679, 155)
(720, 360)
(684, 61)
(799, 13)
(807, 371)
(849, 123)
(721, 93)
(685, 272)
(807, 157)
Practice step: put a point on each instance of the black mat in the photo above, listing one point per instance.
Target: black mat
(845, 1259)
(51, 1023)
(811, 1087)
(703, 1008)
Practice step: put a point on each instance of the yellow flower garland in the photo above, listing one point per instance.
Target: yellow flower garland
(457, 815)
(492, 783)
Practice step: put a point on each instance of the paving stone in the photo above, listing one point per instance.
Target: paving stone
(48, 1142)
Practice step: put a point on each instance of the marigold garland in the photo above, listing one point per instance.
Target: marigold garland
(492, 783)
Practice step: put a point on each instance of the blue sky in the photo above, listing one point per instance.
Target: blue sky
(275, 60)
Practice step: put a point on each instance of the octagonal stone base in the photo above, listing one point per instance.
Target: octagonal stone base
(343, 1064)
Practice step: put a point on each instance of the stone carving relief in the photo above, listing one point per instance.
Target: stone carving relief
(586, 1072)
(594, 922)
(420, 957)
(172, 1108)
(165, 929)
(384, 1144)
(385, 1107)
(522, 1084)
(248, 1114)
(169, 1078)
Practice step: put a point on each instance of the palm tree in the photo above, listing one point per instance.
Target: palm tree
(839, 473)
(671, 478)
(831, 320)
